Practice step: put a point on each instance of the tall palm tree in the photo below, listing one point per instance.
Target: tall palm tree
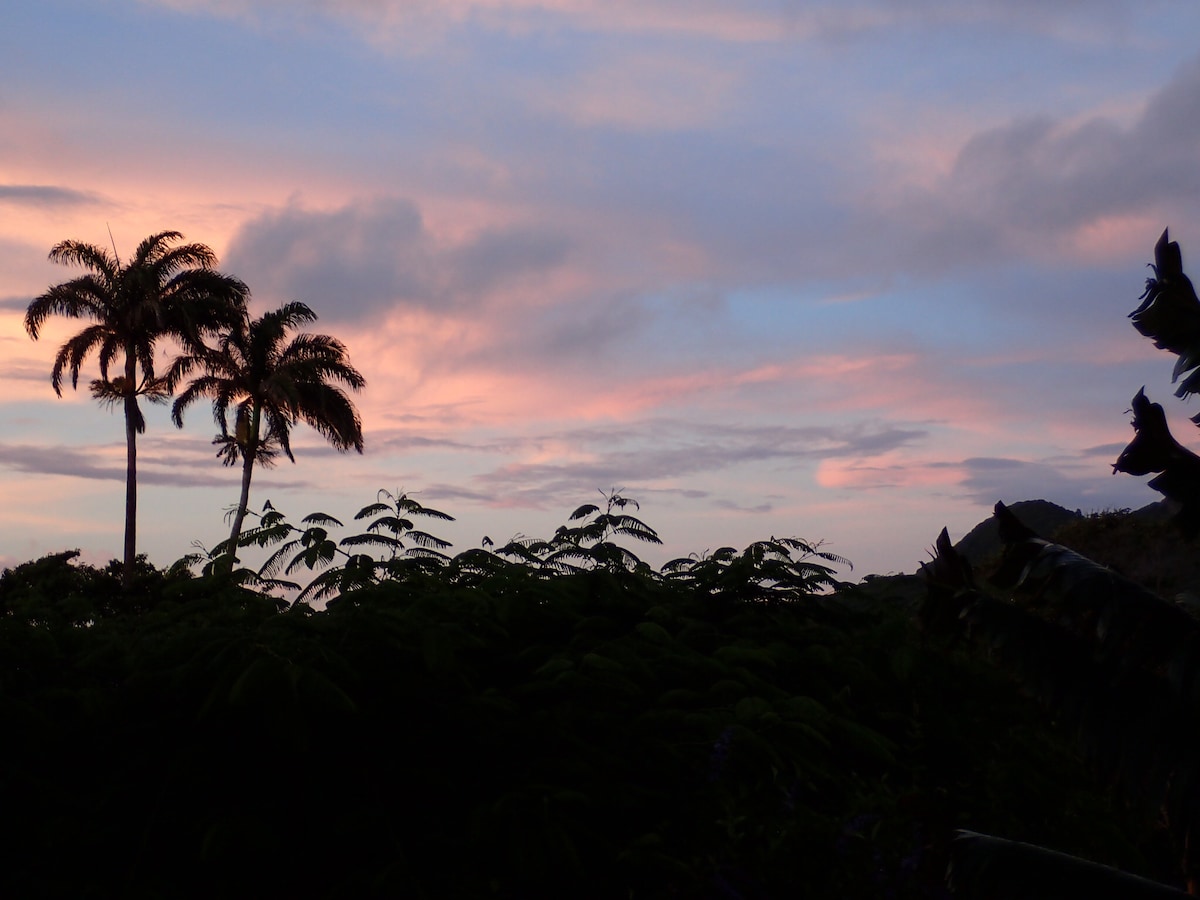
(271, 383)
(166, 290)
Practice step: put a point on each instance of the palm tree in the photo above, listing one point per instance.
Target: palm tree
(167, 289)
(271, 385)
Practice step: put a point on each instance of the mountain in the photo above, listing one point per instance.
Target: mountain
(1143, 544)
(982, 542)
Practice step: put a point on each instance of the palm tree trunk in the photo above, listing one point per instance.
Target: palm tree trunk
(244, 500)
(131, 415)
(249, 454)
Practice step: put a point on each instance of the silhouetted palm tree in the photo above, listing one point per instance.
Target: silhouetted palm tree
(271, 385)
(167, 289)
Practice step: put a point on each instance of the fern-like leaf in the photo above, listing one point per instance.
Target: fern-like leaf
(583, 512)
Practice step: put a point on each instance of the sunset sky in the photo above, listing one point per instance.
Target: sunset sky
(844, 271)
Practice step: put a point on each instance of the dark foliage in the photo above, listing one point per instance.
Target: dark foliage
(1143, 545)
(1155, 449)
(600, 733)
(1169, 315)
(1116, 665)
(988, 867)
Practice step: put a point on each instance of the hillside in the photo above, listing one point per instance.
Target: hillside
(982, 542)
(1141, 544)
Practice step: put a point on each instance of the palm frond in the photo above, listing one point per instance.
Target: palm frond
(478, 561)
(87, 256)
(71, 355)
(382, 541)
(583, 512)
(430, 513)
(527, 550)
(372, 509)
(633, 527)
(277, 560)
(426, 540)
(330, 583)
(394, 524)
(678, 566)
(317, 551)
(428, 554)
(82, 298)
(320, 518)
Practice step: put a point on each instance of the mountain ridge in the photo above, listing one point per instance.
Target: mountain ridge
(1048, 520)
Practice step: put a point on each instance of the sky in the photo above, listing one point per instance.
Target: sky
(842, 271)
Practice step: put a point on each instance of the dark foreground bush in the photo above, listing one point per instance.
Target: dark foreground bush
(593, 735)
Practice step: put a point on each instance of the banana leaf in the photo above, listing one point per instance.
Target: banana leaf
(1125, 623)
(1155, 449)
(1115, 664)
(1169, 313)
(992, 868)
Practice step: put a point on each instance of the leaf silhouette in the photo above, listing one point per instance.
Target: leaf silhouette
(989, 867)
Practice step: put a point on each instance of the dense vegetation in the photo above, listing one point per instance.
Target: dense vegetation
(512, 734)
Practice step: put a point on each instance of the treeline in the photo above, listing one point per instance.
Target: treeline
(519, 733)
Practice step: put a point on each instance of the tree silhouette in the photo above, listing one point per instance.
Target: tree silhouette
(271, 385)
(166, 290)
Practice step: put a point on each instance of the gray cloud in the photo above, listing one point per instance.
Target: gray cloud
(1025, 182)
(443, 491)
(1105, 451)
(639, 456)
(599, 334)
(374, 254)
(41, 460)
(1030, 15)
(344, 264)
(1068, 484)
(662, 450)
(18, 303)
(174, 464)
(400, 443)
(28, 373)
(57, 460)
(731, 506)
(496, 257)
(45, 195)
(1013, 190)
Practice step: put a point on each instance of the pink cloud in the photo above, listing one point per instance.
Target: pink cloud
(889, 470)
(1108, 237)
(501, 394)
